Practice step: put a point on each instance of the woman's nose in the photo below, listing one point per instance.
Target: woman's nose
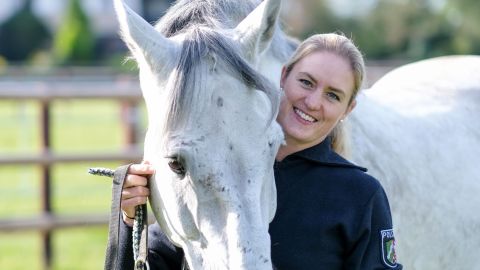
(314, 100)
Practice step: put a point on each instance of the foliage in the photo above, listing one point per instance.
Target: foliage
(75, 41)
(409, 29)
(22, 35)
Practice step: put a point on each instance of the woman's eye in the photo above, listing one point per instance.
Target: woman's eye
(176, 166)
(306, 83)
(333, 96)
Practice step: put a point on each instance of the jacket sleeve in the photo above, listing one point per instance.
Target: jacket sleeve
(375, 248)
(162, 254)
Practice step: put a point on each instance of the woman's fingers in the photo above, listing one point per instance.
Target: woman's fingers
(132, 197)
(128, 205)
(144, 168)
(133, 180)
(136, 191)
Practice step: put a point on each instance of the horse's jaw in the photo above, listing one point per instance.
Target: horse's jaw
(242, 244)
(233, 255)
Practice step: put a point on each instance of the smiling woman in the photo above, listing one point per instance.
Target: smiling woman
(320, 81)
(317, 94)
(333, 210)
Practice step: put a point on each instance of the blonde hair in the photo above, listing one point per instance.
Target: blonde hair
(339, 44)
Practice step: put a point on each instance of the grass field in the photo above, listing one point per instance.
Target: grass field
(81, 126)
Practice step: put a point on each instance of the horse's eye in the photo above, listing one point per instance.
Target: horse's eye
(176, 166)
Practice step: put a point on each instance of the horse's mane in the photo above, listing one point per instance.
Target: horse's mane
(219, 14)
(202, 44)
(211, 13)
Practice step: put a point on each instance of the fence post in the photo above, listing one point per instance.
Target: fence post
(130, 122)
(46, 183)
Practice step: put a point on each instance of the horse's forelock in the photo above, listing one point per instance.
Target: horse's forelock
(213, 13)
(199, 45)
(219, 14)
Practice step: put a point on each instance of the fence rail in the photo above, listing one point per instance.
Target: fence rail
(49, 222)
(48, 158)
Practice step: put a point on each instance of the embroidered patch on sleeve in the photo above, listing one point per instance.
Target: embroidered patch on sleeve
(389, 256)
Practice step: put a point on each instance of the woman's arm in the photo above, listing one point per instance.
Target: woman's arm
(375, 248)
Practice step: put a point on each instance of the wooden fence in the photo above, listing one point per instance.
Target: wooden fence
(45, 90)
(125, 89)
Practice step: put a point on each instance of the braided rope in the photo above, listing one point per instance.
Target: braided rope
(137, 227)
(138, 222)
(101, 172)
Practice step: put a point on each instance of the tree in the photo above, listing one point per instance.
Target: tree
(74, 41)
(22, 34)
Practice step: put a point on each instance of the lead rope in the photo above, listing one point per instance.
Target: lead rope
(140, 226)
(140, 229)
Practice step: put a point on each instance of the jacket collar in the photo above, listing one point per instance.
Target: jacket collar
(322, 153)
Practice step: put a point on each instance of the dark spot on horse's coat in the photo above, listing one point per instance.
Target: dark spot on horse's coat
(270, 144)
(201, 139)
(230, 147)
(249, 181)
(220, 102)
(265, 260)
(188, 143)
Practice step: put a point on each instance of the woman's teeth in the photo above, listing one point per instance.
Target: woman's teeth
(304, 116)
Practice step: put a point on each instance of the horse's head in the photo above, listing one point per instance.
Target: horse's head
(212, 136)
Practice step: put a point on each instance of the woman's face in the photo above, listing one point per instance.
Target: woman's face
(317, 92)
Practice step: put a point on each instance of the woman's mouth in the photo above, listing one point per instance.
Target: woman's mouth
(304, 116)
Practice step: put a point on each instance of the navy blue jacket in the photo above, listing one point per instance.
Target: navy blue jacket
(330, 215)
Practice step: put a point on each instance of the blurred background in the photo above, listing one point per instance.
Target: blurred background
(69, 101)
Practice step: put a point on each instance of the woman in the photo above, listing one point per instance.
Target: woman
(330, 213)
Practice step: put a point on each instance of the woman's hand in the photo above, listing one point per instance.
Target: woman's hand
(135, 191)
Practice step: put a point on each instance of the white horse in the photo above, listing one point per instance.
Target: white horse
(418, 131)
(212, 135)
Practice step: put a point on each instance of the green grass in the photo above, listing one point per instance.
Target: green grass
(80, 126)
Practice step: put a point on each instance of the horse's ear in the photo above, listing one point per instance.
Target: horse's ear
(256, 31)
(145, 43)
